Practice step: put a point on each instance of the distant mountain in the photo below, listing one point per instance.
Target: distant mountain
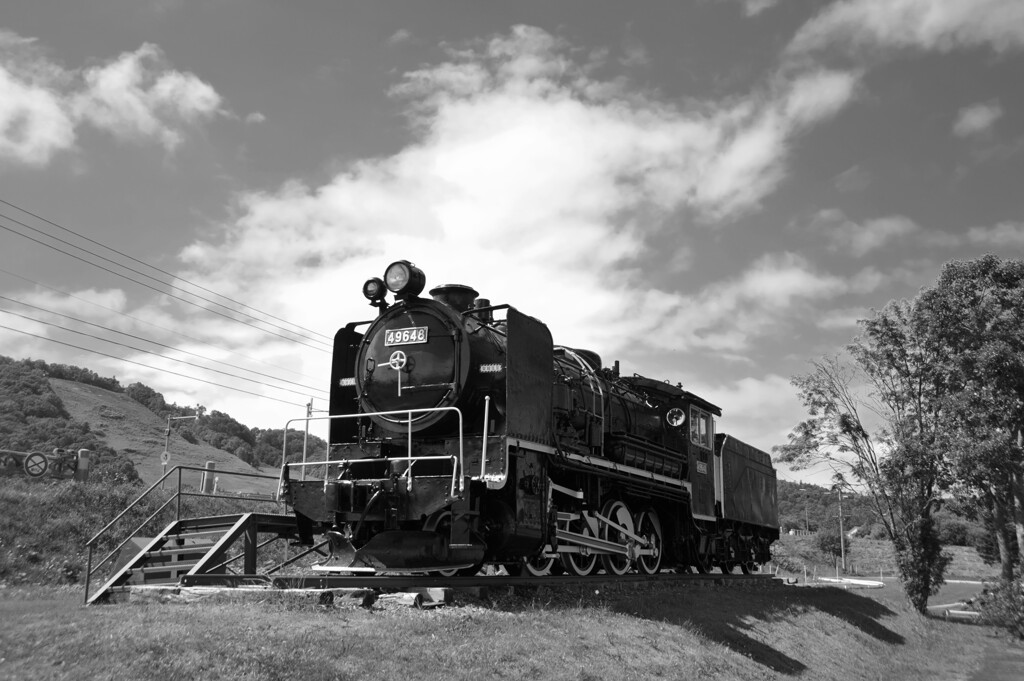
(803, 506)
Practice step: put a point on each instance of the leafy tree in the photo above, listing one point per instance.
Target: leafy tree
(973, 319)
(897, 463)
(831, 543)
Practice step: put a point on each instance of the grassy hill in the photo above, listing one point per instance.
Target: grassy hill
(138, 433)
(867, 558)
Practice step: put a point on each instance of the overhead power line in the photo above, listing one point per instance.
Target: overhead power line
(155, 326)
(147, 366)
(156, 354)
(153, 342)
(153, 288)
(161, 271)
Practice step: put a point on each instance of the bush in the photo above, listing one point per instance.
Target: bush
(1003, 606)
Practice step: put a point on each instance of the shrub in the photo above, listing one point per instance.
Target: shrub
(1003, 606)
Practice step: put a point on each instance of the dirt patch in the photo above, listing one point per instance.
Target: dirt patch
(138, 433)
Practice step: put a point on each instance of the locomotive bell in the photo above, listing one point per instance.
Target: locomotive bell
(456, 296)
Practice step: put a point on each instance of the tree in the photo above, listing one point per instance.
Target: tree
(831, 542)
(973, 319)
(899, 464)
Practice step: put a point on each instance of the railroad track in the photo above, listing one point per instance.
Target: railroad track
(400, 582)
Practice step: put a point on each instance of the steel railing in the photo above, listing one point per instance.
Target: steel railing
(410, 459)
(176, 497)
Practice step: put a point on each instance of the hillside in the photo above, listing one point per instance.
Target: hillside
(137, 433)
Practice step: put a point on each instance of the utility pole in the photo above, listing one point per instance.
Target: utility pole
(305, 439)
(842, 536)
(166, 456)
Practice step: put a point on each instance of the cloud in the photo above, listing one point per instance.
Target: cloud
(859, 239)
(746, 413)
(843, 319)
(865, 26)
(255, 117)
(755, 7)
(1003, 235)
(542, 185)
(402, 35)
(136, 97)
(34, 124)
(852, 180)
(977, 119)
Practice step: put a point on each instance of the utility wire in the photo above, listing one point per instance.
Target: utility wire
(118, 274)
(147, 366)
(156, 354)
(156, 326)
(173, 276)
(153, 342)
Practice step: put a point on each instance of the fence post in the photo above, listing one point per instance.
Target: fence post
(82, 469)
(209, 481)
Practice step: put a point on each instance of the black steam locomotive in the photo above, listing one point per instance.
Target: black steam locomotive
(460, 435)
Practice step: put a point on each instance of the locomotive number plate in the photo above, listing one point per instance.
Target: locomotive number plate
(415, 334)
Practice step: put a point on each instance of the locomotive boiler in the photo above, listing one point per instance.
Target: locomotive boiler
(461, 435)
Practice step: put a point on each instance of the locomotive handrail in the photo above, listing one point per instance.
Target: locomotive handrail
(590, 373)
(326, 463)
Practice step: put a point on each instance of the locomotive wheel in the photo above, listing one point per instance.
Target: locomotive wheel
(538, 566)
(618, 513)
(442, 523)
(35, 465)
(649, 527)
(702, 560)
(579, 564)
(747, 563)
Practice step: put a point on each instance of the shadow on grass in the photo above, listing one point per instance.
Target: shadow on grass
(727, 616)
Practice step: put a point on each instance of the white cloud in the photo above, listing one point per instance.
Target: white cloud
(255, 117)
(940, 25)
(524, 163)
(976, 119)
(859, 239)
(843, 319)
(34, 124)
(755, 7)
(759, 410)
(135, 97)
(852, 180)
(402, 35)
(1003, 235)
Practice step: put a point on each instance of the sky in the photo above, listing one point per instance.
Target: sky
(712, 192)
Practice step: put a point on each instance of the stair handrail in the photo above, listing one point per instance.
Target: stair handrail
(178, 494)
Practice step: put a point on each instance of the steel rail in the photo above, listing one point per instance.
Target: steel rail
(391, 582)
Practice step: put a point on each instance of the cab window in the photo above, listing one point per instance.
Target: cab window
(701, 427)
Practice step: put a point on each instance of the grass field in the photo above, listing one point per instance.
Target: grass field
(615, 632)
(868, 558)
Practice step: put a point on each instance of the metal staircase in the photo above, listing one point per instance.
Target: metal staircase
(227, 545)
(199, 546)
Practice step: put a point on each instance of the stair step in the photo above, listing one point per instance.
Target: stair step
(197, 550)
(183, 566)
(182, 536)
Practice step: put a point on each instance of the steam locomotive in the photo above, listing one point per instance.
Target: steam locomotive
(461, 435)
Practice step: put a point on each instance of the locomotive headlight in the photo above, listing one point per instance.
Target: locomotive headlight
(404, 279)
(675, 417)
(374, 289)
